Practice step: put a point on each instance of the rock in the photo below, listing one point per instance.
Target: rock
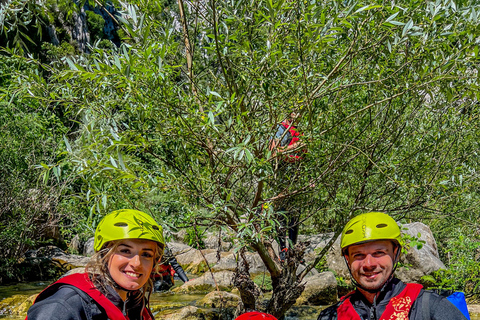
(177, 248)
(336, 262)
(75, 245)
(317, 243)
(229, 263)
(311, 273)
(194, 262)
(74, 270)
(191, 313)
(205, 283)
(180, 236)
(211, 242)
(25, 305)
(48, 262)
(79, 31)
(419, 262)
(66, 261)
(186, 313)
(474, 310)
(320, 289)
(88, 247)
(17, 304)
(219, 299)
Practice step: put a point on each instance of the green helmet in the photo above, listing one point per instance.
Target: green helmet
(127, 224)
(368, 227)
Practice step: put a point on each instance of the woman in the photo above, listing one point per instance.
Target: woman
(118, 279)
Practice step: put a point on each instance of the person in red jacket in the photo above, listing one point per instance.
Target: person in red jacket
(371, 245)
(290, 150)
(168, 268)
(118, 279)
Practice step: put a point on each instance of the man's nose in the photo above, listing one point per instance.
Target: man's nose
(369, 262)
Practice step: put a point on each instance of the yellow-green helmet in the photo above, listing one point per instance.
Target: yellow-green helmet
(127, 224)
(368, 227)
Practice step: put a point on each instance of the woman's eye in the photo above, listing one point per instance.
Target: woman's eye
(126, 251)
(147, 254)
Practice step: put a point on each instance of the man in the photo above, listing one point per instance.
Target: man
(169, 266)
(371, 246)
(290, 149)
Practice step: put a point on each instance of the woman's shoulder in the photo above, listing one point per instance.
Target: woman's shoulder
(66, 302)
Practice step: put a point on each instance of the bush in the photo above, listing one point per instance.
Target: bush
(463, 272)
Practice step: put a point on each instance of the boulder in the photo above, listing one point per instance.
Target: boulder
(56, 257)
(177, 248)
(17, 304)
(311, 273)
(219, 299)
(75, 245)
(195, 261)
(88, 247)
(419, 262)
(320, 289)
(317, 243)
(229, 263)
(336, 262)
(192, 313)
(211, 241)
(205, 283)
(74, 270)
(186, 313)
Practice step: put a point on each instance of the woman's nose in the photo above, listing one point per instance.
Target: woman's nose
(135, 261)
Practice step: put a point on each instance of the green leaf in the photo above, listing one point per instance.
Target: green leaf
(67, 144)
(407, 27)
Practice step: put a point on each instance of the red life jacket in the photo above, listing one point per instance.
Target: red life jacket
(397, 308)
(83, 282)
(165, 270)
(293, 157)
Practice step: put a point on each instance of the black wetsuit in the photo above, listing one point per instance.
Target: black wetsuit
(67, 302)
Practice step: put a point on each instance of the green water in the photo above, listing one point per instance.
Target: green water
(159, 301)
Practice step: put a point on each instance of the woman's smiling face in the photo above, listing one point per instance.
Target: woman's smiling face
(132, 263)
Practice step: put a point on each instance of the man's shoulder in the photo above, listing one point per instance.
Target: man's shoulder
(430, 303)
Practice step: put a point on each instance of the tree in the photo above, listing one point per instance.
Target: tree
(387, 91)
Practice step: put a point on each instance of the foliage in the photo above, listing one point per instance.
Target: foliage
(264, 282)
(463, 263)
(29, 135)
(188, 106)
(95, 24)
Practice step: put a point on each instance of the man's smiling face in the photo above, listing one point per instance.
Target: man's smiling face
(371, 263)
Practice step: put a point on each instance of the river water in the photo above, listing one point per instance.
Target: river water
(158, 301)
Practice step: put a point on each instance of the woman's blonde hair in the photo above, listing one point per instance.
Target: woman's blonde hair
(97, 270)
